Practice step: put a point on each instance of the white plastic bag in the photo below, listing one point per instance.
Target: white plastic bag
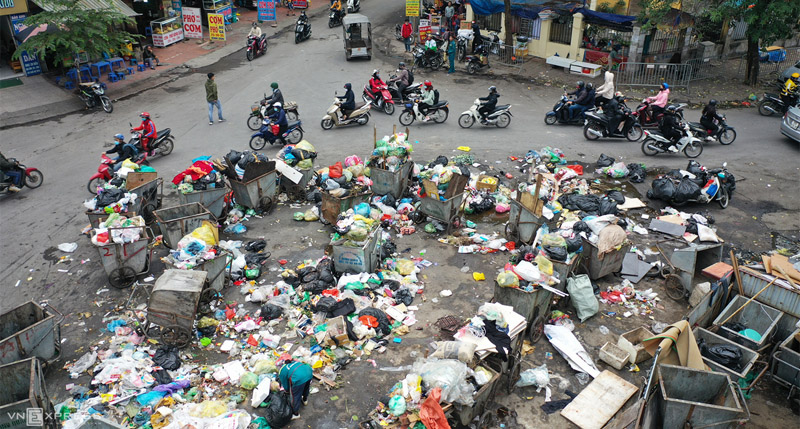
(261, 392)
(538, 377)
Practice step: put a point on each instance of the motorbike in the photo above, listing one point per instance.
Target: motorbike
(292, 135)
(772, 104)
(259, 111)
(162, 145)
(438, 113)
(424, 59)
(477, 62)
(398, 32)
(256, 46)
(718, 186)
(105, 172)
(597, 125)
(93, 95)
(353, 6)
(560, 113)
(655, 143)
(333, 117)
(302, 30)
(500, 116)
(30, 177)
(725, 133)
(335, 18)
(384, 102)
(646, 118)
(410, 92)
(461, 48)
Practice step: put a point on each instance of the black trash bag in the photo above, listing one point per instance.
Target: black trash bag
(326, 277)
(255, 245)
(580, 226)
(662, 189)
(389, 200)
(314, 196)
(162, 377)
(636, 172)
(404, 296)
(291, 278)
(486, 203)
(199, 186)
(109, 196)
(727, 355)
(605, 160)
(675, 174)
(608, 206)
(574, 244)
(622, 223)
(117, 181)
(271, 311)
(167, 357)
(208, 330)
(256, 259)
(587, 203)
(464, 170)
(691, 226)
(735, 326)
(315, 288)
(556, 253)
(388, 249)
(695, 168)
(342, 308)
(730, 182)
(686, 191)
(234, 156)
(302, 155)
(325, 304)
(278, 411)
(616, 196)
(440, 160)
(391, 284)
(383, 321)
(325, 265)
(308, 274)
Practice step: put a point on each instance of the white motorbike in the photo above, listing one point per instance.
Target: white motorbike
(655, 143)
(353, 6)
(437, 113)
(500, 116)
(334, 116)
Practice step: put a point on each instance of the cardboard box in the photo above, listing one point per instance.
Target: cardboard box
(136, 179)
(491, 187)
(631, 342)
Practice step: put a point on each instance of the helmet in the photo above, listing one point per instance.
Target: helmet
(274, 85)
(493, 89)
(618, 94)
(255, 24)
(671, 108)
(375, 73)
(144, 115)
(580, 84)
(119, 136)
(666, 85)
(428, 84)
(795, 75)
(589, 86)
(402, 64)
(347, 86)
(712, 102)
(277, 105)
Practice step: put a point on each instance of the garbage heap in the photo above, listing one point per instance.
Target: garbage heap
(202, 175)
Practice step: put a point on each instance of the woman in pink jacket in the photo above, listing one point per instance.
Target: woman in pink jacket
(659, 102)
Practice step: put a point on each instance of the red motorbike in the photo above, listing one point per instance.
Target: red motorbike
(30, 177)
(384, 102)
(647, 119)
(105, 172)
(256, 46)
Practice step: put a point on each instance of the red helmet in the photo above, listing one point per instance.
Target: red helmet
(145, 115)
(428, 84)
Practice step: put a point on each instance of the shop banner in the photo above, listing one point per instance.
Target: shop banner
(192, 23)
(303, 4)
(412, 7)
(29, 62)
(266, 10)
(424, 29)
(216, 26)
(176, 5)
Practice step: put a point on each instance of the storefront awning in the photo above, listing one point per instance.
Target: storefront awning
(93, 5)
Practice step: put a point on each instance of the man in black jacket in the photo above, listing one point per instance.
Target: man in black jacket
(670, 127)
(276, 96)
(708, 116)
(489, 103)
(124, 151)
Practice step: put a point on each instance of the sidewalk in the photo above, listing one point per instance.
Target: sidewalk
(39, 98)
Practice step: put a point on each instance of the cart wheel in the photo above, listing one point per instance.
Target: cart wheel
(265, 204)
(418, 217)
(513, 374)
(148, 212)
(207, 296)
(665, 271)
(511, 233)
(122, 277)
(537, 329)
(176, 335)
(486, 421)
(454, 223)
(674, 286)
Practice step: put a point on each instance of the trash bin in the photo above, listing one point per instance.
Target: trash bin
(297, 191)
(257, 193)
(786, 361)
(523, 223)
(596, 267)
(175, 222)
(332, 206)
(216, 268)
(23, 399)
(394, 183)
(212, 199)
(30, 330)
(123, 262)
(756, 316)
(364, 259)
(749, 357)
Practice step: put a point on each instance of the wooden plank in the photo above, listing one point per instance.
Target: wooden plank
(607, 389)
(136, 179)
(430, 189)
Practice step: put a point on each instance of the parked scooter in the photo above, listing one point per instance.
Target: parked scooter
(773, 104)
(105, 172)
(437, 113)
(716, 184)
(268, 131)
(162, 145)
(461, 47)
(477, 62)
(646, 118)
(383, 102)
(302, 29)
(725, 133)
(353, 6)
(560, 113)
(500, 116)
(597, 125)
(423, 59)
(335, 18)
(256, 46)
(30, 177)
(333, 117)
(93, 95)
(655, 143)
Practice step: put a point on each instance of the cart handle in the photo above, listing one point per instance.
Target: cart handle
(46, 304)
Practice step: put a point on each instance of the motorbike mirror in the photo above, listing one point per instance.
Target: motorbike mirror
(130, 124)
(724, 164)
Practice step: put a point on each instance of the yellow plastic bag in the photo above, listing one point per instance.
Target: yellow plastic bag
(464, 148)
(405, 266)
(208, 233)
(305, 145)
(211, 409)
(264, 366)
(508, 279)
(478, 276)
(130, 164)
(544, 264)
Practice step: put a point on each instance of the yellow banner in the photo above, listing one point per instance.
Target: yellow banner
(412, 7)
(216, 26)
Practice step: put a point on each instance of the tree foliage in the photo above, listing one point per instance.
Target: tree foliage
(653, 13)
(92, 31)
(767, 21)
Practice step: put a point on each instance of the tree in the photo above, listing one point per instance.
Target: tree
(507, 17)
(767, 21)
(92, 31)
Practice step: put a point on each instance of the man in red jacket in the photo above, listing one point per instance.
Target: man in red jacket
(406, 33)
(148, 129)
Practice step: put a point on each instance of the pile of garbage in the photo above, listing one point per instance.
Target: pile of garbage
(608, 166)
(440, 172)
(111, 199)
(391, 152)
(201, 176)
(240, 161)
(194, 249)
(341, 180)
(300, 156)
(118, 229)
(692, 184)
(355, 226)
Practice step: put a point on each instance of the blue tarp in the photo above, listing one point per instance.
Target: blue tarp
(604, 18)
(530, 9)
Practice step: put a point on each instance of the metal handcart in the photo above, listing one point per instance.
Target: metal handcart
(176, 222)
(448, 210)
(333, 206)
(123, 262)
(394, 183)
(297, 191)
(212, 199)
(173, 305)
(30, 330)
(464, 415)
(256, 193)
(525, 216)
(148, 200)
(24, 390)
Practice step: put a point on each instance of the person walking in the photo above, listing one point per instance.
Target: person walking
(449, 11)
(212, 97)
(295, 378)
(451, 54)
(405, 32)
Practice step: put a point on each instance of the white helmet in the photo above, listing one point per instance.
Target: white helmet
(277, 104)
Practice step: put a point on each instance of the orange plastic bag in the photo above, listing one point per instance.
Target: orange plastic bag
(335, 170)
(577, 168)
(431, 413)
(369, 321)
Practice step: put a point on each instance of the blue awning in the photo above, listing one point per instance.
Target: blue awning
(596, 17)
(524, 8)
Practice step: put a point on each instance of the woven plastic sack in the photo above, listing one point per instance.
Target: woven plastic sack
(582, 296)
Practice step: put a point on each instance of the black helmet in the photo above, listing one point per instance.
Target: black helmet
(402, 64)
(712, 102)
(348, 86)
(589, 86)
(255, 24)
(492, 89)
(671, 108)
(580, 84)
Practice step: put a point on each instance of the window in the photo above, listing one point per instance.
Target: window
(530, 28)
(561, 30)
(491, 22)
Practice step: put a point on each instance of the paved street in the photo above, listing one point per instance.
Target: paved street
(67, 151)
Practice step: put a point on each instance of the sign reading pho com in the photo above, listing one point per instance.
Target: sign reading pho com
(216, 26)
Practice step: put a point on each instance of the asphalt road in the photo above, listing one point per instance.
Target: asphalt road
(66, 150)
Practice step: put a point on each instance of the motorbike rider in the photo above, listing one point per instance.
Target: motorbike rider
(580, 103)
(431, 48)
(375, 84)
(124, 151)
(605, 92)
(477, 40)
(336, 7)
(278, 116)
(670, 126)
(148, 129)
(489, 103)
(11, 172)
(349, 103)
(276, 96)
(401, 78)
(613, 109)
(659, 102)
(427, 99)
(789, 91)
(708, 116)
(255, 31)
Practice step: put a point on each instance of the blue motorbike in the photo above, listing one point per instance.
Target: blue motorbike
(292, 135)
